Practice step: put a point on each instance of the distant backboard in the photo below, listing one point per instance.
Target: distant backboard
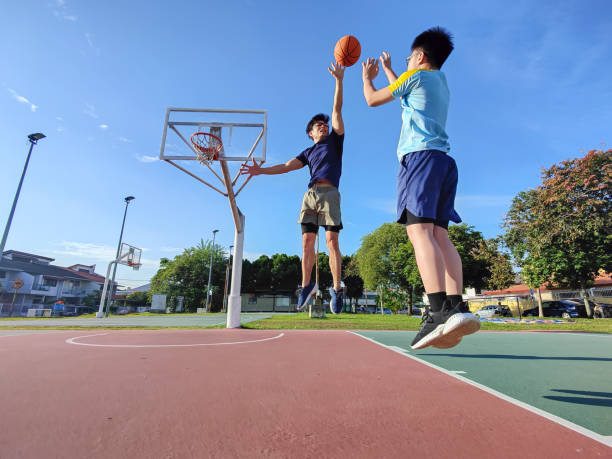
(243, 133)
(129, 255)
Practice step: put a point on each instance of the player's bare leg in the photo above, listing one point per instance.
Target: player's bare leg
(335, 265)
(428, 256)
(335, 257)
(438, 260)
(308, 256)
(452, 262)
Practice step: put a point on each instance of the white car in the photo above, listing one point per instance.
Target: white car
(487, 311)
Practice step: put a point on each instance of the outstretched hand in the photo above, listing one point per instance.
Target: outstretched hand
(385, 60)
(336, 70)
(250, 170)
(369, 69)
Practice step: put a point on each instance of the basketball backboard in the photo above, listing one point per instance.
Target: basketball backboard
(129, 255)
(243, 133)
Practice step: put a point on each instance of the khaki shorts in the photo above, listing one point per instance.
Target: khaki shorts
(321, 206)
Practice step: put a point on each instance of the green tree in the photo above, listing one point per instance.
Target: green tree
(187, 275)
(386, 259)
(561, 232)
(353, 282)
(138, 298)
(286, 272)
(467, 241)
(92, 299)
(498, 265)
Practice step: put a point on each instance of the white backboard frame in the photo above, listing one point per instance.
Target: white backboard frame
(216, 118)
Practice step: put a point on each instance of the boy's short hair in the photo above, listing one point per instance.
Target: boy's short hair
(436, 43)
(317, 117)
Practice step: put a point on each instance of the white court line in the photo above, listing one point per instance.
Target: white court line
(72, 341)
(606, 440)
(46, 332)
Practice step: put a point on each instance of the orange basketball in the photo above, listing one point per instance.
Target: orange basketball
(347, 51)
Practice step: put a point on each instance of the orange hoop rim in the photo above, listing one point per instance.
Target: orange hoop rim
(209, 153)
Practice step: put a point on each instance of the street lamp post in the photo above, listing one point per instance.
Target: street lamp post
(33, 138)
(112, 286)
(227, 271)
(212, 250)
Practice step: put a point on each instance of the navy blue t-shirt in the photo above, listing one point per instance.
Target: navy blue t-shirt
(324, 159)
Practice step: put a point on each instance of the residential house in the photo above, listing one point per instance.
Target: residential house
(41, 284)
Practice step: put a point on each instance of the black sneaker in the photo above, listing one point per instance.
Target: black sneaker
(432, 327)
(444, 329)
(461, 322)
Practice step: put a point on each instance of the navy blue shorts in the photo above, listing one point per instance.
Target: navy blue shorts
(426, 188)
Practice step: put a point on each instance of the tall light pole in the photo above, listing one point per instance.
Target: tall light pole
(33, 138)
(227, 271)
(212, 250)
(112, 287)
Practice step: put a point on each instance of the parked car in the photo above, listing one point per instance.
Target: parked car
(567, 309)
(415, 311)
(386, 311)
(491, 310)
(487, 311)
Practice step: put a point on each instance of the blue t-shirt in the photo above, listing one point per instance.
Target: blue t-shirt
(424, 98)
(324, 159)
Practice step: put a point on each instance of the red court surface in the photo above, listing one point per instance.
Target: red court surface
(279, 394)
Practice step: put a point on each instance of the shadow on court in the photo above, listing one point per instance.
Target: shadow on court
(590, 398)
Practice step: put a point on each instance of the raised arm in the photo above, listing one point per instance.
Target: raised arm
(255, 169)
(337, 72)
(385, 62)
(372, 96)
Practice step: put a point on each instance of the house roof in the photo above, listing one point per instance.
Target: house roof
(25, 254)
(46, 270)
(92, 277)
(603, 280)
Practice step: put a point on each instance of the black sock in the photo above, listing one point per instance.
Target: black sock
(436, 300)
(455, 300)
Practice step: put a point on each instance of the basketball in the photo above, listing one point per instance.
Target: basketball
(347, 51)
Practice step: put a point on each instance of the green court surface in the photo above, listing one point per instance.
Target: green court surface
(568, 375)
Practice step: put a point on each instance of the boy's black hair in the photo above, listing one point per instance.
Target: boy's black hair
(436, 43)
(317, 117)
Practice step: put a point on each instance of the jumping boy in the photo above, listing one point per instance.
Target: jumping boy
(427, 182)
(321, 203)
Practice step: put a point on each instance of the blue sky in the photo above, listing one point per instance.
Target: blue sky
(530, 86)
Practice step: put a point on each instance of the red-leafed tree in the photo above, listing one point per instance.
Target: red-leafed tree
(561, 233)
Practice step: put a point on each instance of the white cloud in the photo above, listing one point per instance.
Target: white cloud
(91, 44)
(382, 205)
(60, 10)
(147, 159)
(103, 126)
(60, 129)
(123, 139)
(90, 110)
(172, 249)
(22, 99)
(59, 118)
(86, 250)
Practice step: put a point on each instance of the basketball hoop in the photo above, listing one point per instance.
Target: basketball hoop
(134, 266)
(207, 146)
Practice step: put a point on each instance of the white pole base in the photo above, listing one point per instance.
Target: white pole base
(233, 311)
(99, 315)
